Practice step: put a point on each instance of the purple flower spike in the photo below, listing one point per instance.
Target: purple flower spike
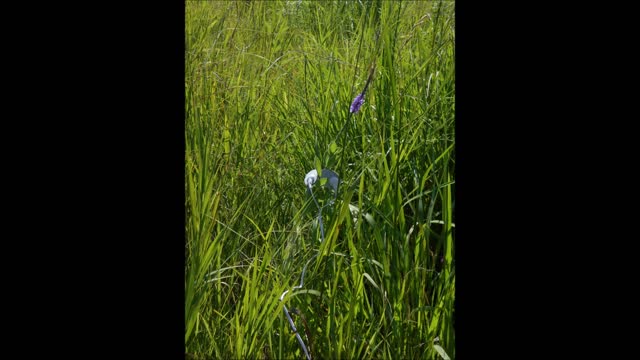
(357, 103)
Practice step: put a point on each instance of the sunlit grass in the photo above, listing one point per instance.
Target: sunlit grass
(268, 88)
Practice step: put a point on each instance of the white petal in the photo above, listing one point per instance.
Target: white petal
(332, 178)
(311, 178)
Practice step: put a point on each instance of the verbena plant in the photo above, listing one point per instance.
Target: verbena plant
(269, 89)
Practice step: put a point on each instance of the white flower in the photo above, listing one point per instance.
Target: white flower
(332, 178)
(311, 178)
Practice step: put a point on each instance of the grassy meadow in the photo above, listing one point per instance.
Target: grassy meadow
(268, 90)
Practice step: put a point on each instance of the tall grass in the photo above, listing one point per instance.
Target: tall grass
(268, 87)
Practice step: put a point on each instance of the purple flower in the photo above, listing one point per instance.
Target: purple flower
(357, 103)
(359, 100)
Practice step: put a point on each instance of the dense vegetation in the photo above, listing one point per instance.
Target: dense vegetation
(268, 86)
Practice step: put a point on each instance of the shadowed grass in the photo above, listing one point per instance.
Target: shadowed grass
(268, 87)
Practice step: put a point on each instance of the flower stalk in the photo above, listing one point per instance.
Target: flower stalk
(359, 100)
